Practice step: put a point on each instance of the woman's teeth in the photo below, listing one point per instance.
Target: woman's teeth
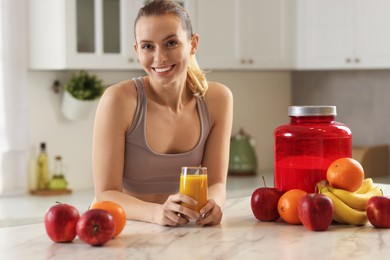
(163, 69)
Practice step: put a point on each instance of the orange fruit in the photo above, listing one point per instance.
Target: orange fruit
(117, 212)
(345, 173)
(288, 205)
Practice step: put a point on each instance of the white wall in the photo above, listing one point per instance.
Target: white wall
(361, 97)
(261, 100)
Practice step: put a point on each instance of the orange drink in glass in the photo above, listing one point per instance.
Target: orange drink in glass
(193, 183)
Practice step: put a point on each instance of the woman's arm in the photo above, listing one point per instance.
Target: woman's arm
(216, 156)
(114, 116)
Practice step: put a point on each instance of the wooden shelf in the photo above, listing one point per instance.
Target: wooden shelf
(50, 192)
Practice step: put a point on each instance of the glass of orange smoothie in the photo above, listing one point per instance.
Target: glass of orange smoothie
(193, 183)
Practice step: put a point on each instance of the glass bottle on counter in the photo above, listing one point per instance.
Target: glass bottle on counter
(42, 168)
(58, 182)
(306, 147)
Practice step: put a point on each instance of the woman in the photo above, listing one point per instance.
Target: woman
(147, 128)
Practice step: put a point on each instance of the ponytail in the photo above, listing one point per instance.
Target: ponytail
(196, 79)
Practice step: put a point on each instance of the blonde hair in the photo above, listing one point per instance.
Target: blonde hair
(196, 79)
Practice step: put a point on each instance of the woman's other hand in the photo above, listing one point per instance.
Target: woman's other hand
(175, 214)
(210, 214)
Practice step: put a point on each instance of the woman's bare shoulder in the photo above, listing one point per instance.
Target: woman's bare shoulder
(123, 89)
(219, 99)
(120, 94)
(218, 92)
(118, 102)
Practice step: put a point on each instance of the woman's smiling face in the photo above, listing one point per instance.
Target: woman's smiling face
(163, 47)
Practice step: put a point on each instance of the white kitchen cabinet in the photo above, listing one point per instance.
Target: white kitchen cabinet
(245, 34)
(348, 34)
(82, 34)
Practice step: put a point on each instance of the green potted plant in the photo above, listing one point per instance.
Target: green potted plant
(81, 93)
(84, 86)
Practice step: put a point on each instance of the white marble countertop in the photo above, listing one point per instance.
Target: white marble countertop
(30, 209)
(239, 236)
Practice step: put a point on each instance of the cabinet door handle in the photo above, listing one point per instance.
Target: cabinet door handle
(245, 61)
(131, 60)
(357, 60)
(348, 60)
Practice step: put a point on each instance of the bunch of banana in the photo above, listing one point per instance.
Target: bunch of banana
(350, 207)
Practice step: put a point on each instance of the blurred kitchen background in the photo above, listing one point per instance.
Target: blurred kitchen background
(270, 53)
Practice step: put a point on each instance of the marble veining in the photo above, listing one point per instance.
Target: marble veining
(239, 236)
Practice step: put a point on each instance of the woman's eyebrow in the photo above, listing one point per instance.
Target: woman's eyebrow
(164, 39)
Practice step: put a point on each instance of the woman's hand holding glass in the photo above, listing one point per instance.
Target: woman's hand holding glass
(175, 214)
(191, 202)
(210, 214)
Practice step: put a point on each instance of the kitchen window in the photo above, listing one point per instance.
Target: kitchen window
(13, 97)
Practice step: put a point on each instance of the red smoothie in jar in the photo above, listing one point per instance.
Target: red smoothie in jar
(306, 146)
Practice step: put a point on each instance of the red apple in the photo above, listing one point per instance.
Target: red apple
(264, 203)
(60, 222)
(95, 227)
(315, 211)
(378, 211)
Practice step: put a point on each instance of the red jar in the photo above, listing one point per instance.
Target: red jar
(307, 146)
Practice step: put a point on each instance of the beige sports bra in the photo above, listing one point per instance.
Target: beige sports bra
(149, 172)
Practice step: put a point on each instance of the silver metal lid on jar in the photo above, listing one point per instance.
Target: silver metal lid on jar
(312, 111)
